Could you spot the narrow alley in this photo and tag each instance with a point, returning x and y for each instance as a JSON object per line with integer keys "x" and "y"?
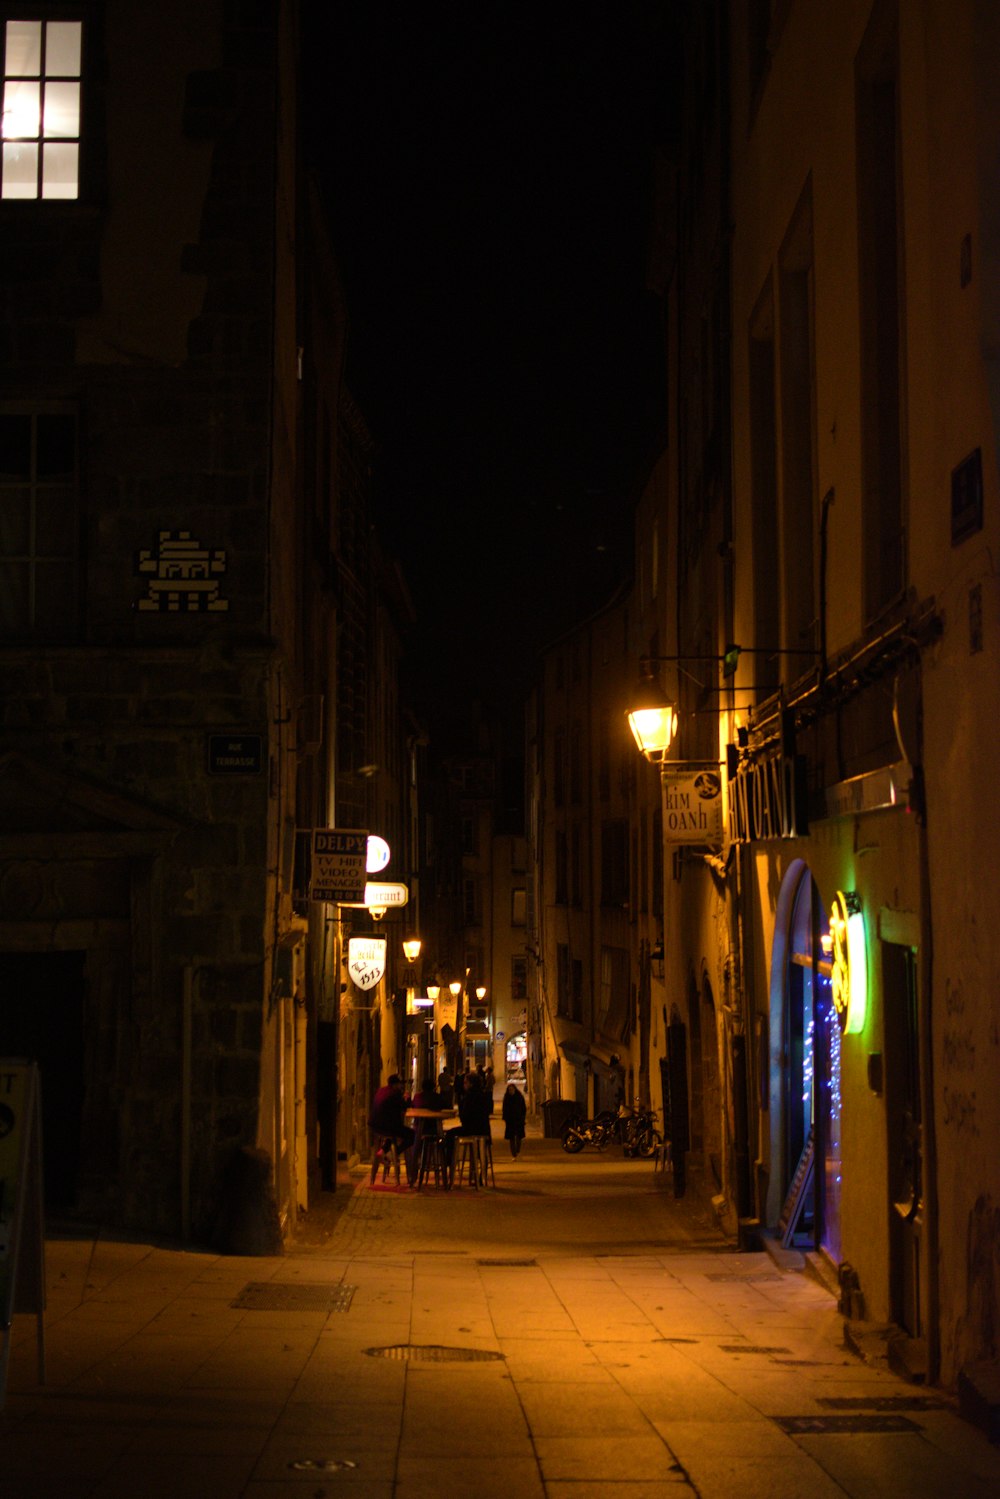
{"x": 573, "y": 1334}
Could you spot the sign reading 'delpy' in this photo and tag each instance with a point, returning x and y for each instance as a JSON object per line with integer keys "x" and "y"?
{"x": 337, "y": 873}
{"x": 366, "y": 960}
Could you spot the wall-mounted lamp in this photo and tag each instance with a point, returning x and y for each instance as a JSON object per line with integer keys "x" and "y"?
{"x": 652, "y": 718}
{"x": 455, "y": 988}
{"x": 433, "y": 991}
{"x": 411, "y": 949}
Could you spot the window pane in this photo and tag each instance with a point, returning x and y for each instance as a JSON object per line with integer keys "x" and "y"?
{"x": 13, "y": 598}
{"x": 20, "y": 110}
{"x": 20, "y": 171}
{"x": 62, "y": 49}
{"x": 60, "y": 171}
{"x": 24, "y": 48}
{"x": 15, "y": 446}
{"x": 15, "y": 525}
{"x": 55, "y": 599}
{"x": 54, "y": 523}
{"x": 55, "y": 445}
{"x": 62, "y": 109}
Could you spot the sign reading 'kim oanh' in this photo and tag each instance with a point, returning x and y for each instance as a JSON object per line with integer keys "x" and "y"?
{"x": 692, "y": 806}
{"x": 767, "y": 798}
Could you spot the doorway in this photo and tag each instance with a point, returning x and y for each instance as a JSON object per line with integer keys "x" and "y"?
{"x": 810, "y": 1073}
{"x": 904, "y": 1125}
{"x": 42, "y": 996}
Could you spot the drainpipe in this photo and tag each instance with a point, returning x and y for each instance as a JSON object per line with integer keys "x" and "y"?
{"x": 187, "y": 1007}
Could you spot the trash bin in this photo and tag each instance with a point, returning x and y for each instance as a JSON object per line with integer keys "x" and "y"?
{"x": 556, "y": 1114}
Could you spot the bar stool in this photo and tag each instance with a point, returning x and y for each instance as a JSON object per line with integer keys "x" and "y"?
{"x": 386, "y": 1147}
{"x": 431, "y": 1158}
{"x": 661, "y": 1157}
{"x": 467, "y": 1151}
{"x": 486, "y": 1160}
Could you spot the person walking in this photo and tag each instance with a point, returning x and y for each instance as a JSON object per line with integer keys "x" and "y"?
{"x": 514, "y": 1110}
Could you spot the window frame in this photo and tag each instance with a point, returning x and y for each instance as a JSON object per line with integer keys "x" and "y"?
{"x": 33, "y": 633}
{"x": 44, "y": 16}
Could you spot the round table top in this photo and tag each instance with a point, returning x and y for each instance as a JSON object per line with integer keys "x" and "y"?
{"x": 431, "y": 1113}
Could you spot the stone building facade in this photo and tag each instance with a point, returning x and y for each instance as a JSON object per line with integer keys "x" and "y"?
{"x": 170, "y": 419}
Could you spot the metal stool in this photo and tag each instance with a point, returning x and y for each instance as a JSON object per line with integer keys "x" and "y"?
{"x": 386, "y": 1148}
{"x": 661, "y": 1157}
{"x": 431, "y": 1158}
{"x": 467, "y": 1150}
{"x": 486, "y": 1160}
{"x": 478, "y": 1151}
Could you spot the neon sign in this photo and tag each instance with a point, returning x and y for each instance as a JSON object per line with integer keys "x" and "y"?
{"x": 847, "y": 946}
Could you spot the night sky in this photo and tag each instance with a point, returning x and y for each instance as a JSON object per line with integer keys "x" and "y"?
{"x": 487, "y": 173}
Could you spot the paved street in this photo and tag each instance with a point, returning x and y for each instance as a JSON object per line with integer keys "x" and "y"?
{"x": 575, "y": 1334}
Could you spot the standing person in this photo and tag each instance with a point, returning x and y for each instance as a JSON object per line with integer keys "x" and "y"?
{"x": 446, "y": 1089}
{"x": 514, "y": 1110}
{"x": 489, "y": 1084}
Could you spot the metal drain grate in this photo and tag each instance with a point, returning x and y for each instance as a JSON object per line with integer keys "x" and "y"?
{"x": 279, "y": 1296}
{"x": 515, "y": 1264}
{"x": 808, "y": 1426}
{"x": 321, "y": 1464}
{"x": 747, "y": 1278}
{"x": 433, "y": 1353}
{"x": 881, "y": 1403}
{"x": 750, "y": 1348}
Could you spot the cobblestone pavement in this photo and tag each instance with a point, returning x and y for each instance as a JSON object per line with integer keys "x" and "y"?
{"x": 574, "y": 1334}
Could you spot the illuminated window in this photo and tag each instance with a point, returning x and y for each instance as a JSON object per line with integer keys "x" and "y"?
{"x": 38, "y": 524}
{"x": 41, "y": 109}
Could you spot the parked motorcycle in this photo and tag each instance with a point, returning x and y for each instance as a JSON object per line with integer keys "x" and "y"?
{"x": 579, "y": 1132}
{"x": 643, "y": 1136}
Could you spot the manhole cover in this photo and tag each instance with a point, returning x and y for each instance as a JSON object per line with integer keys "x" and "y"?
{"x": 433, "y": 1353}
{"x": 276, "y": 1296}
{"x": 807, "y": 1426}
{"x": 750, "y": 1348}
{"x": 514, "y": 1264}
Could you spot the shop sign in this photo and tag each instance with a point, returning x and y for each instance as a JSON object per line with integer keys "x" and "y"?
{"x": 692, "y": 806}
{"x": 378, "y": 854}
{"x": 847, "y": 948}
{"x": 337, "y": 871}
{"x": 366, "y": 960}
{"x": 767, "y": 798}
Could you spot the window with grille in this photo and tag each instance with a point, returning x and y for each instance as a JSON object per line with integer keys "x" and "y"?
{"x": 41, "y": 109}
{"x": 39, "y": 544}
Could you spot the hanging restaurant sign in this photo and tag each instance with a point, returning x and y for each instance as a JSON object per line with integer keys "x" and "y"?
{"x": 847, "y": 947}
{"x": 692, "y": 805}
{"x": 366, "y": 960}
{"x": 767, "y": 796}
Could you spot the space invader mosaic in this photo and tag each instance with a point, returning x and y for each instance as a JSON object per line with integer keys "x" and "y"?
{"x": 183, "y": 577}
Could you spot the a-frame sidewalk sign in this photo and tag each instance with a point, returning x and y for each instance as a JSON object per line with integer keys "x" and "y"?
{"x": 22, "y": 1213}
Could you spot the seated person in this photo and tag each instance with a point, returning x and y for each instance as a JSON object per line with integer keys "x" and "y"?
{"x": 474, "y": 1113}
{"x": 387, "y": 1113}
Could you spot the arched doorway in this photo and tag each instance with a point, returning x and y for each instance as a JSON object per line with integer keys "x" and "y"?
{"x": 805, "y": 1067}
